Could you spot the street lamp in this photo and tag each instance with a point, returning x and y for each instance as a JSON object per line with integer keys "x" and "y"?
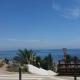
{"x": 20, "y": 73}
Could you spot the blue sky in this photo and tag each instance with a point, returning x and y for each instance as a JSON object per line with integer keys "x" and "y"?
{"x": 39, "y": 24}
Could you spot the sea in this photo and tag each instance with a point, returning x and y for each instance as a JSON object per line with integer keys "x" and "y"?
{"x": 57, "y": 54}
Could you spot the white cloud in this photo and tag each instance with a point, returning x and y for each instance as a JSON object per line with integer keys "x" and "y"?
{"x": 71, "y": 11}
{"x": 10, "y": 43}
{"x": 19, "y": 40}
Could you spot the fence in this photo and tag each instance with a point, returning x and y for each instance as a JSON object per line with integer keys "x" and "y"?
{"x": 69, "y": 68}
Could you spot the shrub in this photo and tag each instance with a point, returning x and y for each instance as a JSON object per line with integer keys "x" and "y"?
{"x": 1, "y": 63}
{"x": 12, "y": 68}
{"x": 15, "y": 68}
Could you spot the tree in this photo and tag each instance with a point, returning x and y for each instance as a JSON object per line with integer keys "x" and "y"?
{"x": 38, "y": 61}
{"x": 25, "y": 57}
{"x": 44, "y": 63}
{"x": 68, "y": 58}
{"x": 50, "y": 62}
{"x": 75, "y": 59}
{"x": 47, "y": 62}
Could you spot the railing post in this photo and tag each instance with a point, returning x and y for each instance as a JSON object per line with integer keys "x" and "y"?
{"x": 20, "y": 75}
{"x": 75, "y": 78}
{"x": 75, "y": 68}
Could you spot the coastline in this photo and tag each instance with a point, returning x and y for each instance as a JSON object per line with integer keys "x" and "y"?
{"x": 57, "y": 54}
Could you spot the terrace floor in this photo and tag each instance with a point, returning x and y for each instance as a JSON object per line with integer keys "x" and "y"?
{"x": 34, "y": 77}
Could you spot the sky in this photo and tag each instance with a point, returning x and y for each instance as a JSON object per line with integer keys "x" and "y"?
{"x": 39, "y": 24}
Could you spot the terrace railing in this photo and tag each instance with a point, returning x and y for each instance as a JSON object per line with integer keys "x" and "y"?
{"x": 72, "y": 68}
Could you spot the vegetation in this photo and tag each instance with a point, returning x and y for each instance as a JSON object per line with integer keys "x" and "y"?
{"x": 38, "y": 61}
{"x": 1, "y": 63}
{"x": 29, "y": 57}
{"x": 47, "y": 62}
{"x": 12, "y": 68}
{"x": 25, "y": 57}
{"x": 70, "y": 58}
{"x": 15, "y": 68}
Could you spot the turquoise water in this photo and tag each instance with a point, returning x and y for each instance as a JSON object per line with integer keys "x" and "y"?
{"x": 57, "y": 54}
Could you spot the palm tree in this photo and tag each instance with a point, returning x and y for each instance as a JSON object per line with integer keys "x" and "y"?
{"x": 25, "y": 57}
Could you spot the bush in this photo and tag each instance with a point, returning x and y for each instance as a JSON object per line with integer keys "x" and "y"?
{"x": 12, "y": 68}
{"x": 1, "y": 63}
{"x": 15, "y": 68}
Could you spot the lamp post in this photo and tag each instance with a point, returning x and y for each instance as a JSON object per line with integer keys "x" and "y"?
{"x": 20, "y": 75}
